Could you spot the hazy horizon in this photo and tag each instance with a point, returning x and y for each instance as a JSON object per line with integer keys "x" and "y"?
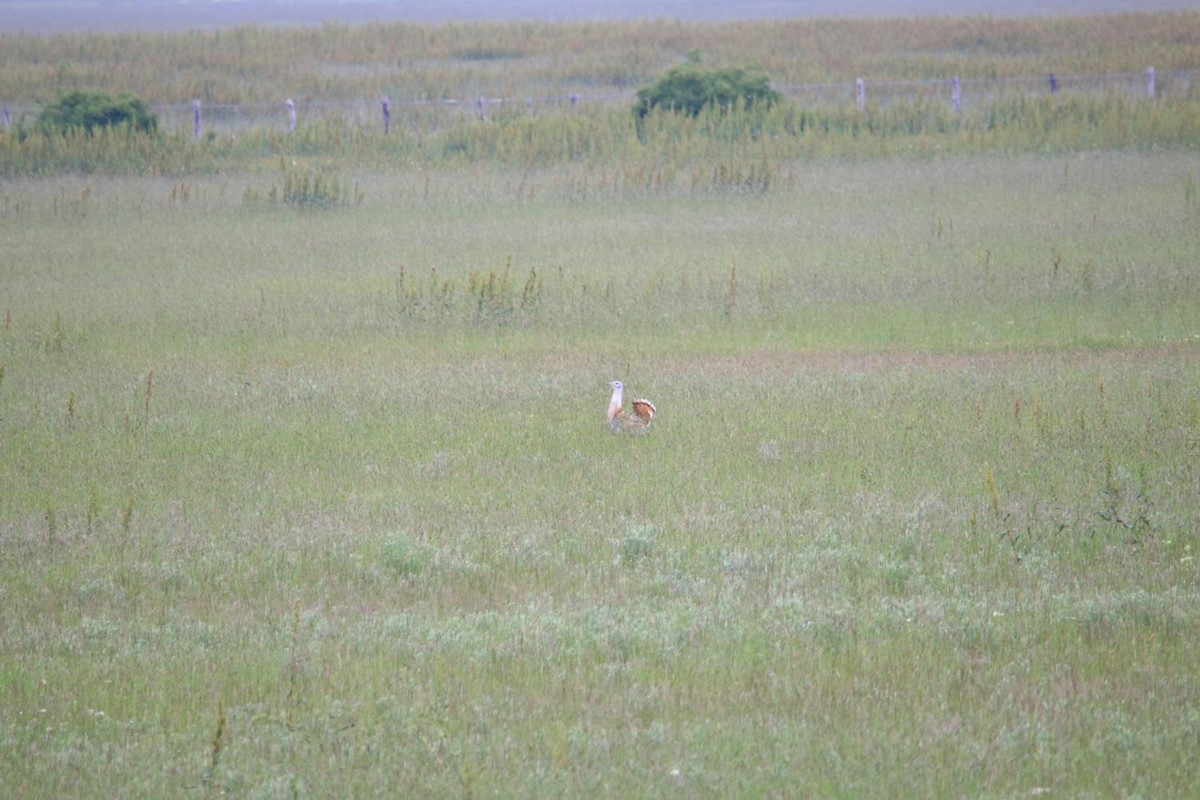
{"x": 153, "y": 15}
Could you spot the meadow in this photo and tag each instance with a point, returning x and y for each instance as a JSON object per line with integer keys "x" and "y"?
{"x": 314, "y": 499}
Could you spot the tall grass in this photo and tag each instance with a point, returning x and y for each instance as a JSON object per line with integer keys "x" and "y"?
{"x": 743, "y": 150}
{"x": 319, "y": 502}
{"x": 334, "y": 68}
{"x": 259, "y": 65}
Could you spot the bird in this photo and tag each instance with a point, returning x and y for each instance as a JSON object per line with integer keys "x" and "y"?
{"x": 618, "y": 420}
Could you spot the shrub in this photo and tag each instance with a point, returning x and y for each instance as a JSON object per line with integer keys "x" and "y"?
{"x": 689, "y": 89}
{"x": 88, "y": 110}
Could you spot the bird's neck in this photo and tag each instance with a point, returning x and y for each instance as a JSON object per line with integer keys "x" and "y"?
{"x": 614, "y": 405}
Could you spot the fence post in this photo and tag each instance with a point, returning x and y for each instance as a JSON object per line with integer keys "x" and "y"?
{"x": 387, "y": 115}
{"x": 196, "y": 120}
{"x": 479, "y": 104}
{"x": 7, "y": 118}
{"x": 955, "y": 97}
{"x": 1053, "y": 81}
{"x": 860, "y": 94}
{"x": 1150, "y": 82}
{"x": 291, "y": 108}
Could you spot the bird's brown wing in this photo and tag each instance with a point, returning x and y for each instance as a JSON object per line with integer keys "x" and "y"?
{"x": 644, "y": 410}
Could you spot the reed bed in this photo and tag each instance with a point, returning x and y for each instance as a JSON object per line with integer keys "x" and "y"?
{"x": 337, "y": 75}
{"x": 257, "y": 65}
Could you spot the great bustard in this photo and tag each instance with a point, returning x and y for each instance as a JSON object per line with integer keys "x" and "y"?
{"x": 618, "y": 420}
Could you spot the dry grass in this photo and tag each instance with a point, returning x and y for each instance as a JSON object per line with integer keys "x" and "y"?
{"x": 337, "y": 75}
{"x": 541, "y": 59}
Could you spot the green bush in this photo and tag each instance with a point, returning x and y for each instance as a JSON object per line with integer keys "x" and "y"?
{"x": 689, "y": 89}
{"x": 89, "y": 110}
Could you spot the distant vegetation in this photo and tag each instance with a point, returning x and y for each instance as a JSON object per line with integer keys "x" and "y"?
{"x": 332, "y": 63}
{"x": 690, "y": 88}
{"x": 434, "y": 77}
{"x": 88, "y": 110}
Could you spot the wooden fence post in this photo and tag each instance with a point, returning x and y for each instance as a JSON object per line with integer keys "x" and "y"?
{"x": 955, "y": 97}
{"x": 196, "y": 119}
{"x": 1053, "y": 81}
{"x": 291, "y": 109}
{"x": 860, "y": 94}
{"x": 387, "y": 115}
{"x": 1150, "y": 82}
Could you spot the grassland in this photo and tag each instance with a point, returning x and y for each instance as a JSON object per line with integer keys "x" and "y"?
{"x": 337, "y": 75}
{"x": 318, "y": 502}
{"x": 467, "y": 60}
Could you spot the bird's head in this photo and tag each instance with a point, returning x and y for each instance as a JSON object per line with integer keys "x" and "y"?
{"x": 615, "y": 385}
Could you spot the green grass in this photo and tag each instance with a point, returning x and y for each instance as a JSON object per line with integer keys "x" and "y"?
{"x": 312, "y": 503}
